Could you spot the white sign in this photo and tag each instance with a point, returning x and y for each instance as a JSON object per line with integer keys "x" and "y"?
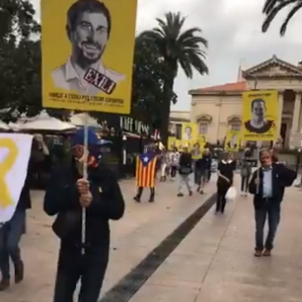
{"x": 15, "y": 150}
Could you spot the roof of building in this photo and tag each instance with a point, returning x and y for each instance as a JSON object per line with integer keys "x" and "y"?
{"x": 237, "y": 86}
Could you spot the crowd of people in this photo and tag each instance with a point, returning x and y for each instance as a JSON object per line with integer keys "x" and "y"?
{"x": 69, "y": 194}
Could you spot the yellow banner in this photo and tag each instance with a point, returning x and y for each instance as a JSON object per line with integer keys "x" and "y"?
{"x": 189, "y": 133}
{"x": 171, "y": 142}
{"x": 232, "y": 141}
{"x": 87, "y": 54}
{"x": 260, "y": 115}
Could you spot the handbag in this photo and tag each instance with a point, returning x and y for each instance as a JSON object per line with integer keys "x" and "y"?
{"x": 231, "y": 193}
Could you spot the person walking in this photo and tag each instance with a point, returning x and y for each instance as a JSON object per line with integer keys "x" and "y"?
{"x": 185, "y": 169}
{"x": 12, "y": 231}
{"x": 174, "y": 160}
{"x": 225, "y": 173}
{"x": 67, "y": 194}
{"x": 267, "y": 185}
{"x": 202, "y": 170}
{"x": 245, "y": 173}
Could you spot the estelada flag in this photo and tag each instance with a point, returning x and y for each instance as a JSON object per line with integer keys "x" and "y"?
{"x": 145, "y": 169}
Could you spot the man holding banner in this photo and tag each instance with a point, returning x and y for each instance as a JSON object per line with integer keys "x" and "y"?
{"x": 102, "y": 36}
{"x": 66, "y": 195}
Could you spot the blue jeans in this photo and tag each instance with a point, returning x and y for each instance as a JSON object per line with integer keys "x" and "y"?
{"x": 272, "y": 211}
{"x": 10, "y": 235}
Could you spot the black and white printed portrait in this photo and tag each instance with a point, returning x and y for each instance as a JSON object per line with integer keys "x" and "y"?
{"x": 258, "y": 124}
{"x": 88, "y": 30}
{"x": 188, "y": 133}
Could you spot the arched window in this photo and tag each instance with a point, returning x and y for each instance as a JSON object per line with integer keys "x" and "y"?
{"x": 234, "y": 122}
{"x": 203, "y": 122}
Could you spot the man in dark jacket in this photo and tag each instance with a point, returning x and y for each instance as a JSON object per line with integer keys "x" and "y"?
{"x": 11, "y": 232}
{"x": 185, "y": 169}
{"x": 67, "y": 195}
{"x": 267, "y": 185}
{"x": 202, "y": 170}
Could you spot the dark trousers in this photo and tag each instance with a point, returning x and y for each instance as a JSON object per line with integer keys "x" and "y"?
{"x": 140, "y": 192}
{"x": 73, "y": 266}
{"x": 173, "y": 171}
{"x": 221, "y": 200}
{"x": 271, "y": 211}
{"x": 10, "y": 235}
{"x": 245, "y": 183}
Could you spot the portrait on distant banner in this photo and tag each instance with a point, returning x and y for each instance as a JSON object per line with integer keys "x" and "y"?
{"x": 91, "y": 65}
{"x": 189, "y": 132}
{"x": 232, "y": 141}
{"x": 260, "y": 115}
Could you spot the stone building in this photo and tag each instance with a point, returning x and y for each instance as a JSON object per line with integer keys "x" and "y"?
{"x": 219, "y": 108}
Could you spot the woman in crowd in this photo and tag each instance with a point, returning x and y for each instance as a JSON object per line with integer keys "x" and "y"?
{"x": 225, "y": 173}
{"x": 245, "y": 176}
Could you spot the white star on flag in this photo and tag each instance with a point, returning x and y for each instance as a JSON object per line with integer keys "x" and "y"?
{"x": 145, "y": 159}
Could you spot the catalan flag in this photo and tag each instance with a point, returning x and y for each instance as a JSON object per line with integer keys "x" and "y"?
{"x": 145, "y": 170}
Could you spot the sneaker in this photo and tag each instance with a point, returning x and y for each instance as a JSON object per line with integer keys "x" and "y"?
{"x": 190, "y": 193}
{"x": 4, "y": 284}
{"x": 137, "y": 199}
{"x": 201, "y": 192}
{"x": 258, "y": 253}
{"x": 180, "y": 195}
{"x": 266, "y": 253}
{"x": 151, "y": 200}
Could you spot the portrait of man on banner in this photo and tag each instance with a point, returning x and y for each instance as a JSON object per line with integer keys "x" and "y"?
{"x": 88, "y": 30}
{"x": 232, "y": 141}
{"x": 189, "y": 132}
{"x": 260, "y": 115}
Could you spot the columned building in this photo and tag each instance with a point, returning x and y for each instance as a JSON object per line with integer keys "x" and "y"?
{"x": 219, "y": 108}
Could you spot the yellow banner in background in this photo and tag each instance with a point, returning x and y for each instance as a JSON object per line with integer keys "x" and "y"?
{"x": 189, "y": 133}
{"x": 260, "y": 115}
{"x": 87, "y": 54}
{"x": 232, "y": 141}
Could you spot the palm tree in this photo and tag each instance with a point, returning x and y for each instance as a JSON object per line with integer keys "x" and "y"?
{"x": 176, "y": 47}
{"x": 273, "y": 7}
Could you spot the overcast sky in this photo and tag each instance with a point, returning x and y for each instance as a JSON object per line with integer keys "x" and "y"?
{"x": 233, "y": 30}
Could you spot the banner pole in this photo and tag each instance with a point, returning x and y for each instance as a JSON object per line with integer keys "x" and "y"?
{"x": 85, "y": 176}
{"x": 259, "y": 144}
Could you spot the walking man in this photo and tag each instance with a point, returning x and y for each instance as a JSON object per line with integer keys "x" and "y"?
{"x": 185, "y": 169}
{"x": 267, "y": 185}
{"x": 66, "y": 196}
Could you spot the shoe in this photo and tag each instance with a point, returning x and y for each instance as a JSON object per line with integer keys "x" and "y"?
{"x": 198, "y": 189}
{"x": 4, "y": 284}
{"x": 151, "y": 200}
{"x": 190, "y": 193}
{"x": 201, "y": 192}
{"x": 137, "y": 199}
{"x": 180, "y": 195}
{"x": 267, "y": 253}
{"x": 19, "y": 272}
{"x": 258, "y": 253}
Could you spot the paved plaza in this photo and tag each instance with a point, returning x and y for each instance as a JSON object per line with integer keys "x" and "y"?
{"x": 214, "y": 263}
{"x": 142, "y": 228}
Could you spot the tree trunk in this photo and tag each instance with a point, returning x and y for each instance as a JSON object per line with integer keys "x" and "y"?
{"x": 168, "y": 92}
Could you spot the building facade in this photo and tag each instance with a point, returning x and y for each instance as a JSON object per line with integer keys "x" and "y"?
{"x": 219, "y": 108}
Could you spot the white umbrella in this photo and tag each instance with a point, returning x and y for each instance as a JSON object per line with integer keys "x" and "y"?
{"x": 48, "y": 124}
{"x": 79, "y": 121}
{"x": 4, "y": 126}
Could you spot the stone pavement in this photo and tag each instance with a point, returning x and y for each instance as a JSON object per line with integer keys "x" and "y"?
{"x": 215, "y": 262}
{"x": 143, "y": 227}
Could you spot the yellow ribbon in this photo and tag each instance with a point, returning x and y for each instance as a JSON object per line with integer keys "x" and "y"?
{"x": 5, "y": 166}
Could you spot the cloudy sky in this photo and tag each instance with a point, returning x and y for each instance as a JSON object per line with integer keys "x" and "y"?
{"x": 233, "y": 30}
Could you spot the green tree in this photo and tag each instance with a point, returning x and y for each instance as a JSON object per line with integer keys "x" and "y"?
{"x": 176, "y": 47}
{"x": 273, "y": 7}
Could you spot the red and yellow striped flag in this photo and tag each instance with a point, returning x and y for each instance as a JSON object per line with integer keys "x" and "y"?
{"x": 145, "y": 170}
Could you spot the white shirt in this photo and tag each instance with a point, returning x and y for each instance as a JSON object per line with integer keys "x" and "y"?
{"x": 66, "y": 77}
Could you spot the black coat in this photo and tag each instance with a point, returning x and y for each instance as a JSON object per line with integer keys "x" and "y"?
{"x": 62, "y": 198}
{"x": 282, "y": 177}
